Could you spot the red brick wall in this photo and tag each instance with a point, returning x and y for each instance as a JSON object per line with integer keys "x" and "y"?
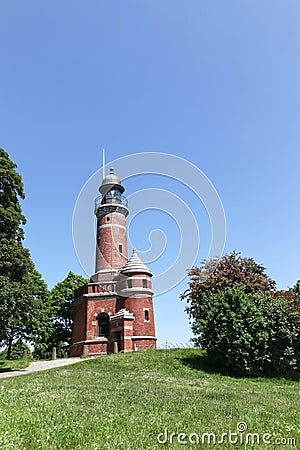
{"x": 79, "y": 318}
{"x": 96, "y": 349}
{"x": 145, "y": 344}
{"x": 137, "y": 306}
{"x": 136, "y": 279}
{"x": 94, "y": 302}
{"x": 109, "y": 236}
{"x": 85, "y": 325}
{"x": 76, "y": 349}
{"x": 94, "y": 307}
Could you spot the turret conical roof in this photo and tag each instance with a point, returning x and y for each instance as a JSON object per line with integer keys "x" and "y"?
{"x": 135, "y": 265}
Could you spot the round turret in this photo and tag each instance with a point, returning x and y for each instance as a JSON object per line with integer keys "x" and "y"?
{"x": 134, "y": 278}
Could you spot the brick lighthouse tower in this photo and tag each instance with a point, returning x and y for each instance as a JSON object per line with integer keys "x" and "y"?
{"x": 114, "y": 312}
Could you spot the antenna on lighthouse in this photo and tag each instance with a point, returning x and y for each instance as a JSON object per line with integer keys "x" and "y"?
{"x": 103, "y": 163}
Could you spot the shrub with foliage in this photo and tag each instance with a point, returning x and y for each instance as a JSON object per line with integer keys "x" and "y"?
{"x": 17, "y": 351}
{"x": 59, "y": 335}
{"x": 240, "y": 319}
{"x": 282, "y": 314}
{"x": 226, "y": 272}
{"x": 232, "y": 329}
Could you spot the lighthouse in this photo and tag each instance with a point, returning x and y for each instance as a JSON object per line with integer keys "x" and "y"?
{"x": 114, "y": 312}
{"x": 111, "y": 210}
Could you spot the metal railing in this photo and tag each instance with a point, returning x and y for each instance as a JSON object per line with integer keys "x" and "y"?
{"x": 170, "y": 345}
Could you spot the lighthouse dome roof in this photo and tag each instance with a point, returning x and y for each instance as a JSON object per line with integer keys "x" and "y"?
{"x": 111, "y": 180}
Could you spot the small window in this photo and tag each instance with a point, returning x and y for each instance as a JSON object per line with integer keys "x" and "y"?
{"x": 146, "y": 315}
{"x": 103, "y": 325}
{"x": 120, "y": 248}
{"x": 144, "y": 283}
{"x": 107, "y": 219}
{"x": 129, "y": 283}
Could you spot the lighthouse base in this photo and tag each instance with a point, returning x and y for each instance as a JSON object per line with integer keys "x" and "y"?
{"x": 103, "y": 325}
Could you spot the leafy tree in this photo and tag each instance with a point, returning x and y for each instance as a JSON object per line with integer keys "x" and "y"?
{"x": 25, "y": 308}
{"x": 250, "y": 334}
{"x": 40, "y": 324}
{"x": 231, "y": 327}
{"x": 295, "y": 290}
{"x": 219, "y": 274}
{"x": 282, "y": 313}
{"x": 28, "y": 312}
{"x": 14, "y": 259}
{"x": 17, "y": 351}
{"x": 21, "y": 302}
{"x": 240, "y": 319}
{"x": 11, "y": 191}
{"x": 62, "y": 296}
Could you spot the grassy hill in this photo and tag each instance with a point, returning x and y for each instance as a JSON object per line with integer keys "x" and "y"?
{"x": 126, "y": 401}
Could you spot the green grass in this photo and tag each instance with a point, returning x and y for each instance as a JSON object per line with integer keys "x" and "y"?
{"x": 9, "y": 365}
{"x": 125, "y": 401}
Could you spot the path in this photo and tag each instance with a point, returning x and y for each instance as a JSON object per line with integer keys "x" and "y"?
{"x": 38, "y": 366}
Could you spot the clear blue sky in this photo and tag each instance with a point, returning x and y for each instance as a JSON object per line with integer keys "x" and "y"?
{"x": 214, "y": 82}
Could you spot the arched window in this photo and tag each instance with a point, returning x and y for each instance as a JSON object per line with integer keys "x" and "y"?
{"x": 103, "y": 325}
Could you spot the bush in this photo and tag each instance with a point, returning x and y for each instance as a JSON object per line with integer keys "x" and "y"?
{"x": 17, "y": 350}
{"x": 231, "y": 327}
{"x": 249, "y": 333}
{"x": 240, "y": 319}
{"x": 44, "y": 350}
{"x": 282, "y": 315}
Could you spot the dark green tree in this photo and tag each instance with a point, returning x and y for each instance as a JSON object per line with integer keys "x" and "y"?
{"x": 282, "y": 313}
{"x": 61, "y": 297}
{"x": 11, "y": 191}
{"x": 250, "y": 334}
{"x": 239, "y": 318}
{"x": 14, "y": 259}
{"x": 295, "y": 290}
{"x": 40, "y": 325}
{"x": 21, "y": 301}
{"x": 17, "y": 351}
{"x": 231, "y": 327}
